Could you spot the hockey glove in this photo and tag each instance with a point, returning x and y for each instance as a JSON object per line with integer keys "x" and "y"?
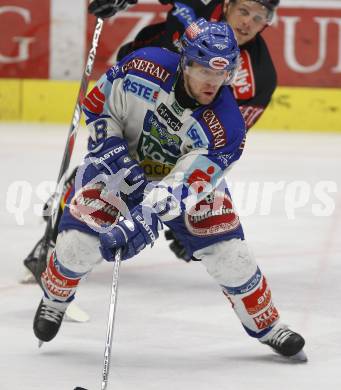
{"x": 113, "y": 165}
{"x": 176, "y": 247}
{"x": 132, "y": 235}
{"x": 106, "y": 8}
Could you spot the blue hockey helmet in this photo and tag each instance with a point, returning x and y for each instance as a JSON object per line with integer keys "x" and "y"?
{"x": 212, "y": 45}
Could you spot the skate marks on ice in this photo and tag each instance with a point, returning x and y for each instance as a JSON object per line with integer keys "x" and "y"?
{"x": 174, "y": 329}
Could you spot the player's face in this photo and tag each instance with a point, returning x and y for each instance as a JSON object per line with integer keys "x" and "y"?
{"x": 202, "y": 83}
{"x": 247, "y": 18}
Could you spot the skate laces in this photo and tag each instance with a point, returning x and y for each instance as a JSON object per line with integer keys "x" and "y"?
{"x": 50, "y": 313}
{"x": 280, "y": 336}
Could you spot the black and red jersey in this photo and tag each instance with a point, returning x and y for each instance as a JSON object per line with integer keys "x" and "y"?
{"x": 256, "y": 79}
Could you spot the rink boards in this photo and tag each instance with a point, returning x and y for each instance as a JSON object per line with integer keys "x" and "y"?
{"x": 51, "y": 101}
{"x": 43, "y": 48}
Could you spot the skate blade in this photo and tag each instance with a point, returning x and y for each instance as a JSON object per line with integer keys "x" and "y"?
{"x": 299, "y": 357}
{"x": 40, "y": 343}
{"x": 75, "y": 314}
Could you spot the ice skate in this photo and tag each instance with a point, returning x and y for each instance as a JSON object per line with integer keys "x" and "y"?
{"x": 48, "y": 319}
{"x": 286, "y": 343}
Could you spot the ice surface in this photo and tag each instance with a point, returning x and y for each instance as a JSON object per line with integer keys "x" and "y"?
{"x": 174, "y": 329}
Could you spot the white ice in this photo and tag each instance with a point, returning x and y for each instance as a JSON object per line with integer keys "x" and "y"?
{"x": 174, "y": 329}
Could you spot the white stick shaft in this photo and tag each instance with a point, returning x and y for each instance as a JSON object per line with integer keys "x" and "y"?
{"x": 111, "y": 320}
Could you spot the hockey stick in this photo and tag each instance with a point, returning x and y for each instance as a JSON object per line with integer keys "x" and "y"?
{"x": 38, "y": 266}
{"x": 111, "y": 322}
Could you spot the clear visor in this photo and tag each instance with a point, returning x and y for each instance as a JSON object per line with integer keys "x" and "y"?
{"x": 211, "y": 76}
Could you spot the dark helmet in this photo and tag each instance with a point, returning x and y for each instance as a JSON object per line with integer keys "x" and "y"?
{"x": 211, "y": 44}
{"x": 271, "y": 5}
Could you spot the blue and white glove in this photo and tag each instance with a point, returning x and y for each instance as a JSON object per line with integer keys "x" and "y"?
{"x": 131, "y": 235}
{"x": 121, "y": 173}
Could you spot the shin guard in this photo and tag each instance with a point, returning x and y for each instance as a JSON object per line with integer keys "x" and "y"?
{"x": 253, "y": 305}
{"x": 59, "y": 283}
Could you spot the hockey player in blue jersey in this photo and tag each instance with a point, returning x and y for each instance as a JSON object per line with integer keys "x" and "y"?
{"x": 164, "y": 131}
{"x": 253, "y": 86}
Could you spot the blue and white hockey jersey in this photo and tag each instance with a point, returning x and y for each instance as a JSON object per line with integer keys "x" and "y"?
{"x": 186, "y": 149}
